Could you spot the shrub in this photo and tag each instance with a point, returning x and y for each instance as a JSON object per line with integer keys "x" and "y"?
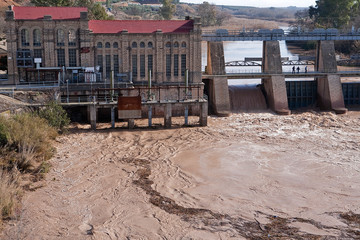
{"x": 9, "y": 194}
{"x": 30, "y": 137}
{"x": 55, "y": 115}
{"x": 3, "y": 132}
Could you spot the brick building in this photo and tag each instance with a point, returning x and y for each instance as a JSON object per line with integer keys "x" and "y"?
{"x": 73, "y": 47}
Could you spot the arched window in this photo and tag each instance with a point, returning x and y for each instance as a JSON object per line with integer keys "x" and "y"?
{"x": 72, "y": 37}
{"x": 134, "y": 45}
{"x": 115, "y": 45}
{"x": 107, "y": 45}
{"x": 37, "y": 37}
{"x": 176, "y": 44}
{"x": 99, "y": 45}
{"x": 183, "y": 44}
{"x": 168, "y": 44}
{"x": 150, "y": 44}
{"x": 25, "y": 37}
{"x": 142, "y": 45}
{"x": 60, "y": 37}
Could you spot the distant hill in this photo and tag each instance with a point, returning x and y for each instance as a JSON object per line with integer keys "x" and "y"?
{"x": 6, "y": 3}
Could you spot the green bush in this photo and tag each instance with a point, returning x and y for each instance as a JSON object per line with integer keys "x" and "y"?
{"x": 55, "y": 115}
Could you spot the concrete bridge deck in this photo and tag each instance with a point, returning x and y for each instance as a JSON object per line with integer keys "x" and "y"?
{"x": 284, "y": 74}
{"x": 240, "y": 35}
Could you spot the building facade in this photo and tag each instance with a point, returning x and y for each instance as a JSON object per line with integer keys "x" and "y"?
{"x": 56, "y": 43}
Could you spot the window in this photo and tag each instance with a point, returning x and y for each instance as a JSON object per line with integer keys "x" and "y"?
{"x": 176, "y": 64}
{"x": 60, "y": 37}
{"x": 23, "y": 58}
{"x": 176, "y": 44}
{"x": 24, "y": 37}
{"x": 37, "y": 37}
{"x": 142, "y": 45}
{"x": 168, "y": 44}
{"x": 100, "y": 63}
{"x": 168, "y": 65}
{"x": 107, "y": 66}
{"x": 72, "y": 37}
{"x": 115, "y": 45}
{"x": 183, "y": 44}
{"x": 37, "y": 53}
{"x": 150, "y": 44}
{"x": 142, "y": 65}
{"x": 183, "y": 64}
{"x": 99, "y": 45}
{"x": 150, "y": 63}
{"x": 134, "y": 65}
{"x": 107, "y": 45}
{"x": 116, "y": 64}
{"x": 61, "y": 57}
{"x": 72, "y": 58}
{"x": 134, "y": 45}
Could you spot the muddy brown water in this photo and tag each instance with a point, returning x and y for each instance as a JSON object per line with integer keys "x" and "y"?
{"x": 245, "y": 98}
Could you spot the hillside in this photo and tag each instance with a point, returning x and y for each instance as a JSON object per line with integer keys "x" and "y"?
{"x": 5, "y": 3}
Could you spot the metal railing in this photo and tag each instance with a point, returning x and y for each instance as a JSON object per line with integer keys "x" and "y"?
{"x": 161, "y": 94}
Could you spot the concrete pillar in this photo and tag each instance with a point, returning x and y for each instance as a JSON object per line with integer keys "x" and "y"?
{"x": 112, "y": 117}
{"x": 219, "y": 96}
{"x": 131, "y": 123}
{"x": 219, "y": 89}
{"x": 167, "y": 115}
{"x": 330, "y": 95}
{"x": 203, "y": 113}
{"x": 215, "y": 58}
{"x": 92, "y": 113}
{"x": 274, "y": 86}
{"x": 150, "y": 116}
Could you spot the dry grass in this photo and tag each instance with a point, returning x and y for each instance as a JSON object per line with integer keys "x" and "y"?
{"x": 24, "y": 148}
{"x": 10, "y": 192}
{"x": 236, "y": 23}
{"x": 29, "y": 136}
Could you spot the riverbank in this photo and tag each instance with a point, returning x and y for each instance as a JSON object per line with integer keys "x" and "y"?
{"x": 251, "y": 175}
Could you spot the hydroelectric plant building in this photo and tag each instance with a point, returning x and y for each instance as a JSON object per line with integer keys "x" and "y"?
{"x": 58, "y": 43}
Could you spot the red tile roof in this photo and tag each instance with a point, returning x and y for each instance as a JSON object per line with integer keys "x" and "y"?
{"x": 141, "y": 26}
{"x": 57, "y": 13}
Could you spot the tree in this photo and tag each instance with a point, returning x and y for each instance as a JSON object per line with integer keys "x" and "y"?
{"x": 207, "y": 12}
{"x": 303, "y": 20}
{"x": 52, "y": 3}
{"x": 96, "y": 11}
{"x": 333, "y": 13}
{"x": 167, "y": 10}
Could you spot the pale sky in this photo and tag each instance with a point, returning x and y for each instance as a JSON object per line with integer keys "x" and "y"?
{"x": 258, "y": 3}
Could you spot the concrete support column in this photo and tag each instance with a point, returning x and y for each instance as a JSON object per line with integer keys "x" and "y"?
{"x": 92, "y": 114}
{"x": 215, "y": 58}
{"x": 167, "y": 115}
{"x": 131, "y": 123}
{"x": 219, "y": 96}
{"x": 218, "y": 87}
{"x": 203, "y": 113}
{"x": 274, "y": 86}
{"x": 330, "y": 95}
{"x": 112, "y": 117}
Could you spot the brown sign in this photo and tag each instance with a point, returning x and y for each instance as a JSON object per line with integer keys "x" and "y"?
{"x": 129, "y": 107}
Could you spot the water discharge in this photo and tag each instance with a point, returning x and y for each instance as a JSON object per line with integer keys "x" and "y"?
{"x": 246, "y": 98}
